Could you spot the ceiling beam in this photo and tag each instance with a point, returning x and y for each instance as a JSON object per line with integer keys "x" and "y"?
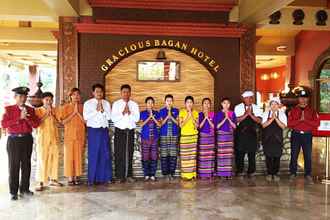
{"x": 254, "y": 11}
{"x": 28, "y": 47}
{"x": 38, "y": 10}
{"x": 63, "y": 7}
{"x": 27, "y": 35}
{"x": 309, "y": 3}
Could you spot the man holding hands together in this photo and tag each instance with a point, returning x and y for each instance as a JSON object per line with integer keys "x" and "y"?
{"x": 125, "y": 115}
{"x": 97, "y": 112}
{"x": 248, "y": 117}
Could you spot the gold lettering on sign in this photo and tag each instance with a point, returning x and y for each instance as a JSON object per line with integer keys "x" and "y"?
{"x": 212, "y": 62}
{"x": 121, "y": 53}
{"x": 109, "y": 62}
{"x": 216, "y": 68}
{"x": 193, "y": 51}
{"x": 132, "y": 47}
{"x": 104, "y": 67}
{"x": 140, "y": 45}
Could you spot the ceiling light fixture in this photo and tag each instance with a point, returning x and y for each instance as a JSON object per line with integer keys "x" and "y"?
{"x": 274, "y": 75}
{"x": 281, "y": 48}
{"x": 264, "y": 77}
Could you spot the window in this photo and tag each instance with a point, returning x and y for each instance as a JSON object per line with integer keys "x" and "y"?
{"x": 324, "y": 87}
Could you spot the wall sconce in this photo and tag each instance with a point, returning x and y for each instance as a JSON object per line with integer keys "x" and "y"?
{"x": 274, "y": 75}
{"x": 298, "y": 16}
{"x": 264, "y": 77}
{"x": 275, "y": 17}
{"x": 321, "y": 17}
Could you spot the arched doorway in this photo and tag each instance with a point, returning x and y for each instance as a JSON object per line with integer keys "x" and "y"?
{"x": 323, "y": 87}
{"x": 194, "y": 80}
{"x": 320, "y": 79}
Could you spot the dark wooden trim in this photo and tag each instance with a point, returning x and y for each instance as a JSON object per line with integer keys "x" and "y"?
{"x": 314, "y": 74}
{"x": 187, "y": 5}
{"x": 138, "y": 14}
{"x": 162, "y": 29}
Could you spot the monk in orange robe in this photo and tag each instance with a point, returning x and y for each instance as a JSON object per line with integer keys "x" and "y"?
{"x": 74, "y": 137}
{"x": 47, "y": 143}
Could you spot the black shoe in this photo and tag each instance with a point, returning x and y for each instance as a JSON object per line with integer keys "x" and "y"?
{"x": 131, "y": 180}
{"x": 27, "y": 193}
{"x": 309, "y": 179}
{"x": 14, "y": 197}
{"x": 292, "y": 177}
{"x": 251, "y": 175}
{"x": 240, "y": 176}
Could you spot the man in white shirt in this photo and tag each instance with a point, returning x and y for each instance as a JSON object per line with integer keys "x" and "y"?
{"x": 125, "y": 115}
{"x": 97, "y": 113}
{"x": 248, "y": 117}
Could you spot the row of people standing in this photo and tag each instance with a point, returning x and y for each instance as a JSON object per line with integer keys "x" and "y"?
{"x": 208, "y": 141}
{"x": 204, "y": 140}
{"x": 190, "y": 133}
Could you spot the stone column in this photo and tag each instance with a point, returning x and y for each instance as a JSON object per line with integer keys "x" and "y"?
{"x": 67, "y": 57}
{"x": 248, "y": 59}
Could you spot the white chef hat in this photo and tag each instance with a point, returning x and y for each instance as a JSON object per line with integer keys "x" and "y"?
{"x": 275, "y": 99}
{"x": 247, "y": 94}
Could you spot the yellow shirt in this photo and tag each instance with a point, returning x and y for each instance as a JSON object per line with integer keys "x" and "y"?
{"x": 47, "y": 131}
{"x": 189, "y": 127}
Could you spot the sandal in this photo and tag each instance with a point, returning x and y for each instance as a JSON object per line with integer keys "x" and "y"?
{"x": 40, "y": 188}
{"x": 71, "y": 183}
{"x": 77, "y": 182}
{"x": 55, "y": 183}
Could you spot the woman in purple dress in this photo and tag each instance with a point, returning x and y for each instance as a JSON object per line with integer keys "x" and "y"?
{"x": 225, "y": 122}
{"x": 206, "y": 153}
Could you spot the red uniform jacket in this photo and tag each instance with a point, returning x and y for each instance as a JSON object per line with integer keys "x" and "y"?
{"x": 311, "y": 119}
{"x": 14, "y": 125}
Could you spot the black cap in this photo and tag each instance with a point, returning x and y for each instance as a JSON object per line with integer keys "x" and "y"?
{"x": 47, "y": 94}
{"x": 303, "y": 93}
{"x": 22, "y": 90}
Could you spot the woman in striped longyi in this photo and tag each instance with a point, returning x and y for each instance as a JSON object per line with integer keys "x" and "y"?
{"x": 206, "y": 148}
{"x": 225, "y": 122}
{"x": 188, "y": 119}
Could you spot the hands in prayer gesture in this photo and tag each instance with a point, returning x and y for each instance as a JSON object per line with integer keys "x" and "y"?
{"x": 99, "y": 107}
{"x": 75, "y": 112}
{"x": 24, "y": 113}
{"x": 126, "y": 110}
{"x": 248, "y": 111}
{"x": 302, "y": 116}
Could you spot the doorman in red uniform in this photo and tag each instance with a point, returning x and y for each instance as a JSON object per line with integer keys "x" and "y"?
{"x": 302, "y": 120}
{"x": 18, "y": 120}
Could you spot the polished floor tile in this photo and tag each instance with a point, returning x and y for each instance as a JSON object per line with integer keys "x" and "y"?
{"x": 219, "y": 199}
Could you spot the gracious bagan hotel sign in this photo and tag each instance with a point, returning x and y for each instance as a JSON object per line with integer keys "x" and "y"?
{"x": 128, "y": 50}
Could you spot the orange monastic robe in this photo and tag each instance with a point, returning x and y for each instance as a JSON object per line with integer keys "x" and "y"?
{"x": 47, "y": 146}
{"x": 74, "y": 140}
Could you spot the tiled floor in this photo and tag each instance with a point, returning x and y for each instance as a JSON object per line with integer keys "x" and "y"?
{"x": 219, "y": 199}
{"x": 236, "y": 199}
